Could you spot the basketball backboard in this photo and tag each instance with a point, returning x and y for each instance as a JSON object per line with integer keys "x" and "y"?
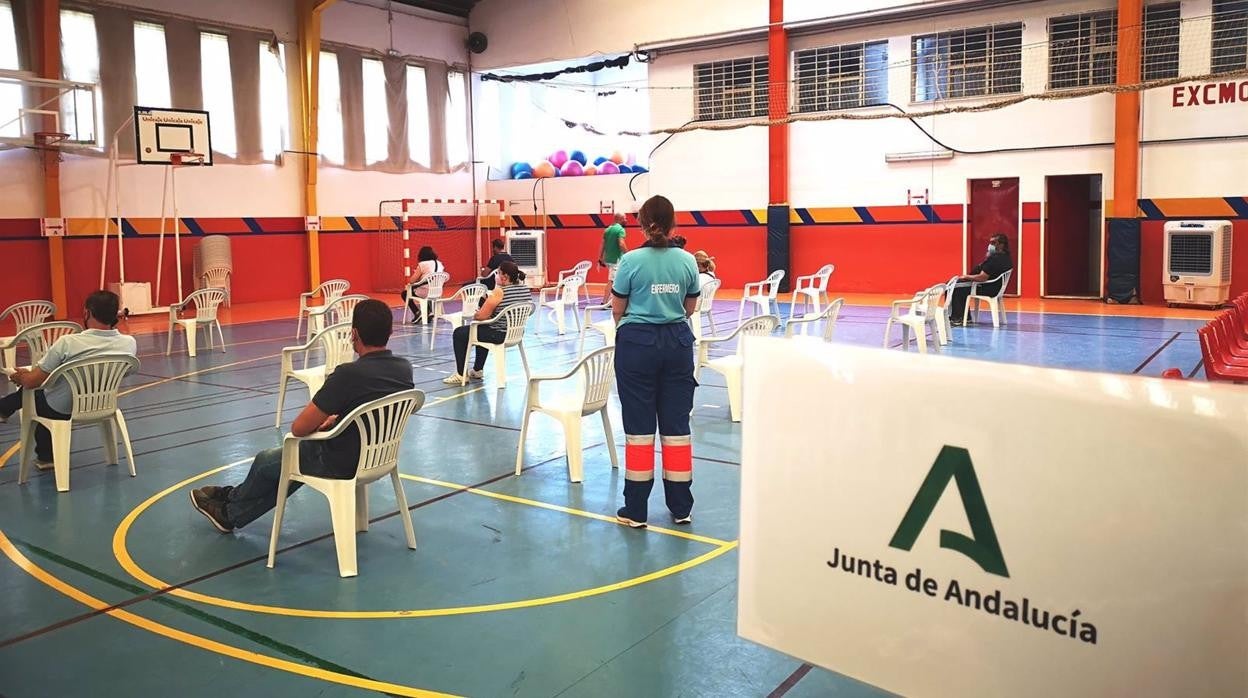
{"x": 160, "y": 133}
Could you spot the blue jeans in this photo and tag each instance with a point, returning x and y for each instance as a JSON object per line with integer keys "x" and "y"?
{"x": 256, "y": 495}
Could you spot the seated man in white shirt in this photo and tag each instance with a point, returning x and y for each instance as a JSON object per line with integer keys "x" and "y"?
{"x": 100, "y": 337}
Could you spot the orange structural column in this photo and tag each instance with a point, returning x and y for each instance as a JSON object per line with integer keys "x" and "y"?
{"x": 1127, "y": 111}
{"x": 778, "y": 86}
{"x": 309, "y": 20}
{"x": 48, "y": 65}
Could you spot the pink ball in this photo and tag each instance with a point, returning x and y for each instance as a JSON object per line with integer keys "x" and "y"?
{"x": 572, "y": 168}
{"x": 608, "y": 168}
{"x": 631, "y": 159}
{"x": 558, "y": 158}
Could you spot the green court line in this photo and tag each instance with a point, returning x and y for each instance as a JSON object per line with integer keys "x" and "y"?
{"x": 233, "y": 628}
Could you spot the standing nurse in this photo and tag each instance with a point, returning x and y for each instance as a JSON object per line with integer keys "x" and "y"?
{"x": 655, "y": 290}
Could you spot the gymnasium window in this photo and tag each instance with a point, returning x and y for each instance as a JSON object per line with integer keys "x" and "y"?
{"x": 151, "y": 66}
{"x": 1161, "y": 41}
{"x": 376, "y": 113}
{"x": 80, "y": 61}
{"x": 274, "y": 104}
{"x": 734, "y": 89}
{"x": 456, "y": 118}
{"x": 10, "y": 94}
{"x": 841, "y": 77}
{"x": 1230, "y": 35}
{"x": 968, "y": 62}
{"x": 1083, "y": 50}
{"x": 329, "y": 119}
{"x": 417, "y": 115}
{"x": 214, "y": 50}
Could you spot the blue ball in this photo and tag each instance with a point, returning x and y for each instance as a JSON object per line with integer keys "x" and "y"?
{"x": 625, "y": 169}
{"x": 599, "y": 160}
{"x": 523, "y": 175}
{"x": 638, "y": 169}
{"x": 518, "y": 167}
{"x": 578, "y": 156}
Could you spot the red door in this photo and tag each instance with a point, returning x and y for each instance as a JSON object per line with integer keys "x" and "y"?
{"x": 993, "y": 209}
{"x": 1072, "y": 243}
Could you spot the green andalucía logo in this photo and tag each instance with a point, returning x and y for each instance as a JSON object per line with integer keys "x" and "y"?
{"x": 954, "y": 463}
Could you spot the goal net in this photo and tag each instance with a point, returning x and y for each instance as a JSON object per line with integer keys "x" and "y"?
{"x": 458, "y": 232}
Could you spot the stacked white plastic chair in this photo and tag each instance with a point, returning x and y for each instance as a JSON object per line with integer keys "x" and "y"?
{"x": 469, "y": 297}
{"x": 514, "y": 318}
{"x": 920, "y": 315}
{"x": 380, "y": 425}
{"x": 206, "y": 302}
{"x": 762, "y": 295}
{"x": 335, "y": 345}
{"x": 433, "y": 291}
{"x": 329, "y": 292}
{"x": 592, "y": 374}
{"x": 827, "y": 316}
{"x": 731, "y": 366}
{"x": 705, "y": 308}
{"x": 214, "y": 264}
{"x": 996, "y": 304}
{"x": 94, "y": 383}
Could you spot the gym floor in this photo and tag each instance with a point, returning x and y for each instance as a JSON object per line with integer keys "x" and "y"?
{"x": 520, "y": 586}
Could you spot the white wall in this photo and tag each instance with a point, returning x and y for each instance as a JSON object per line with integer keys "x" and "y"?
{"x": 254, "y": 190}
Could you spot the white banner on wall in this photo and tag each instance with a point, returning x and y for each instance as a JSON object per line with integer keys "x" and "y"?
{"x": 946, "y": 527}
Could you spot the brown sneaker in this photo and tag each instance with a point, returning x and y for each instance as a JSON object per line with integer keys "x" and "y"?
{"x": 212, "y": 509}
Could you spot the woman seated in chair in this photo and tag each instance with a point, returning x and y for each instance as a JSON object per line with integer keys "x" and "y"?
{"x": 706, "y": 267}
{"x": 995, "y": 264}
{"x": 427, "y": 264}
{"x": 509, "y": 291}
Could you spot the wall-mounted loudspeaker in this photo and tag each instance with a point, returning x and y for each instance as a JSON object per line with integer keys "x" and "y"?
{"x": 477, "y": 42}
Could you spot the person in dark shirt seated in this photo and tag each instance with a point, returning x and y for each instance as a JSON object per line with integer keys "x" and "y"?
{"x": 497, "y": 257}
{"x": 995, "y": 264}
{"x": 374, "y": 375}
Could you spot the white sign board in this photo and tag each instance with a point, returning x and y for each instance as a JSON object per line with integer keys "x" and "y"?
{"x": 946, "y": 527}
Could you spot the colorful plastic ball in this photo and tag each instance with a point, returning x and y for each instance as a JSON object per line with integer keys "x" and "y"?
{"x": 625, "y": 169}
{"x": 518, "y": 167}
{"x": 631, "y": 159}
{"x": 523, "y": 175}
{"x": 558, "y": 157}
{"x": 609, "y": 168}
{"x": 544, "y": 169}
{"x": 617, "y": 157}
{"x": 578, "y": 156}
{"x": 600, "y": 159}
{"x": 638, "y": 169}
{"x": 591, "y": 170}
{"x": 571, "y": 168}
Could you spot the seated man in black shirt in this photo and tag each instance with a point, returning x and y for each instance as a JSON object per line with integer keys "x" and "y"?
{"x": 497, "y": 257}
{"x": 376, "y": 374}
{"x": 995, "y": 264}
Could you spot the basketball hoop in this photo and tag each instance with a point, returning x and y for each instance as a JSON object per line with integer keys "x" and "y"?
{"x": 181, "y": 159}
{"x": 47, "y": 139}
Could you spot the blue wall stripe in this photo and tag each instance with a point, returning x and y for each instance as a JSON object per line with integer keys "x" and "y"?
{"x": 698, "y": 218}
{"x": 355, "y": 225}
{"x": 598, "y": 220}
{"x": 864, "y": 214}
{"x": 805, "y": 216}
{"x": 437, "y": 220}
{"x": 929, "y": 213}
{"x": 190, "y": 223}
{"x": 555, "y": 222}
{"x": 253, "y": 225}
{"x": 1151, "y": 212}
{"x": 1240, "y": 204}
{"x": 749, "y": 216}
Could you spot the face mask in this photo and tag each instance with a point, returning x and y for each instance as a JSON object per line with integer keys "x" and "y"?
{"x": 991, "y": 250}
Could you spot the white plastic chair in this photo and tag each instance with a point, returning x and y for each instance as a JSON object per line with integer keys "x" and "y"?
{"x": 762, "y": 294}
{"x": 333, "y": 312}
{"x": 567, "y": 296}
{"x": 334, "y": 342}
{"x": 218, "y": 277}
{"x": 579, "y": 270}
{"x": 946, "y": 310}
{"x": 811, "y": 291}
{"x": 730, "y": 366}
{"x": 469, "y": 298}
{"x": 23, "y": 315}
{"x": 515, "y": 317}
{"x": 827, "y": 316}
{"x": 206, "y": 302}
{"x": 705, "y": 307}
{"x": 380, "y": 425}
{"x": 995, "y": 303}
{"x": 329, "y": 292}
{"x": 94, "y": 383}
{"x": 37, "y": 339}
{"x": 922, "y": 315}
{"x": 593, "y": 374}
{"x": 606, "y": 326}
{"x": 433, "y": 291}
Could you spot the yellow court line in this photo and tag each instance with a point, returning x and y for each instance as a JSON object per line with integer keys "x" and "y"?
{"x": 29, "y": 567}
{"x": 565, "y": 510}
{"x": 122, "y": 553}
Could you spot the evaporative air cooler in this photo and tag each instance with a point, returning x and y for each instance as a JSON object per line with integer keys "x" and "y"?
{"x": 1198, "y": 262}
{"x": 528, "y": 248}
